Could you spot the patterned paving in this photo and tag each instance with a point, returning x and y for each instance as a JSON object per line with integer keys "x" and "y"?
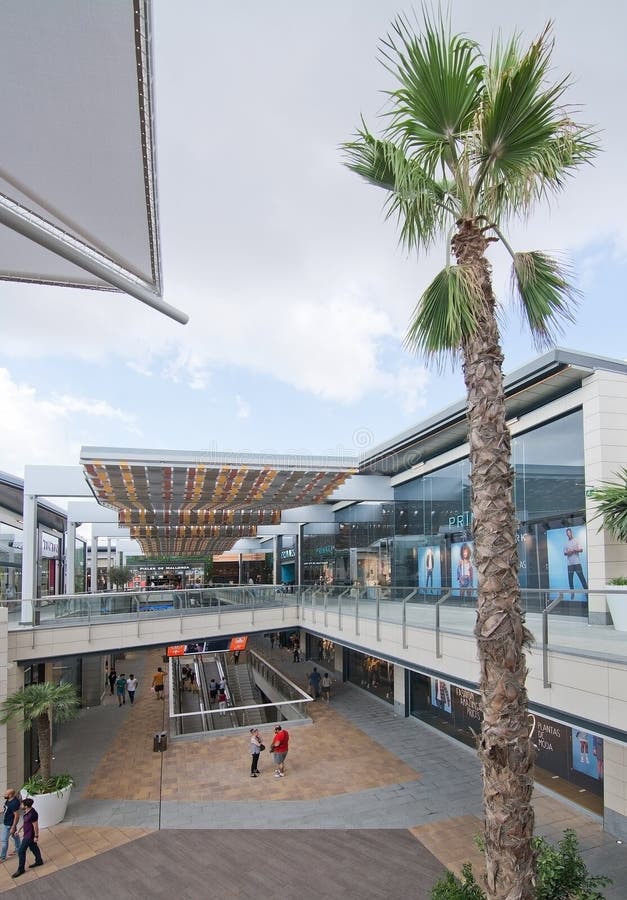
{"x": 333, "y": 760}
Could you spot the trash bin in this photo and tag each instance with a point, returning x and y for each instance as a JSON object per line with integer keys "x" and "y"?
{"x": 160, "y": 742}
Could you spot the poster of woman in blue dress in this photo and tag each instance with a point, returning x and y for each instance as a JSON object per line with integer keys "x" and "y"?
{"x": 567, "y": 559}
{"x": 463, "y": 572}
{"x": 429, "y": 573}
{"x": 587, "y": 753}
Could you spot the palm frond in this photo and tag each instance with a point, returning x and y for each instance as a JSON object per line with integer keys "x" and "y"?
{"x": 59, "y": 701}
{"x": 446, "y": 313}
{"x": 611, "y": 500}
{"x": 421, "y": 204}
{"x": 546, "y": 294}
{"x": 440, "y": 76}
{"x": 529, "y": 142}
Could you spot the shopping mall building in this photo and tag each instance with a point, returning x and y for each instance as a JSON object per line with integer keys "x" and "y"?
{"x": 379, "y": 551}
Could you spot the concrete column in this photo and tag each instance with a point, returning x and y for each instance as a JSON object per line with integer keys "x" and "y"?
{"x": 70, "y": 558}
{"x": 94, "y": 565}
{"x": 605, "y": 453}
{"x": 300, "y": 567}
{"x": 240, "y": 577}
{"x": 30, "y": 551}
{"x": 276, "y": 559}
{"x": 400, "y": 693}
{"x": 4, "y": 659}
{"x": 614, "y": 789}
{"x": 109, "y": 585}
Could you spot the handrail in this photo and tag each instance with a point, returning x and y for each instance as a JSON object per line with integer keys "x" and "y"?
{"x": 439, "y": 603}
{"x": 545, "y": 639}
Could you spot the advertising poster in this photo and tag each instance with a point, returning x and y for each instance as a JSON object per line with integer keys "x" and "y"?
{"x": 568, "y": 560}
{"x": 587, "y": 754}
{"x": 551, "y": 741}
{"x": 441, "y": 695}
{"x": 466, "y": 709}
{"x": 463, "y": 572}
{"x": 429, "y": 572}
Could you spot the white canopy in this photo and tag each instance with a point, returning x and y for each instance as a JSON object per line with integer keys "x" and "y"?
{"x": 77, "y": 170}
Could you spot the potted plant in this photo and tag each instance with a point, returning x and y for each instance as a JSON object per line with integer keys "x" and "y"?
{"x": 38, "y": 705}
{"x": 611, "y": 499}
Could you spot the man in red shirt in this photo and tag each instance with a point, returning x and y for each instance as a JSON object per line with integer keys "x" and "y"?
{"x": 280, "y": 746}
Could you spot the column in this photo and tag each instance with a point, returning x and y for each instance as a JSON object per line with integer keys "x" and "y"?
{"x": 94, "y": 565}
{"x": 30, "y": 551}
{"x": 70, "y": 558}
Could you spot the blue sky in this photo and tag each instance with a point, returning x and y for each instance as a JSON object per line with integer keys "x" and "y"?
{"x": 297, "y": 291}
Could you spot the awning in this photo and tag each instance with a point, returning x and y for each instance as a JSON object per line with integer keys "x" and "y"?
{"x": 195, "y": 503}
{"x": 77, "y": 173}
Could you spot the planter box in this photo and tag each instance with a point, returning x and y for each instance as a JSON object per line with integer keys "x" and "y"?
{"x": 51, "y": 808}
{"x": 617, "y": 605}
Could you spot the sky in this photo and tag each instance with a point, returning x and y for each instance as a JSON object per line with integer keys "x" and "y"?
{"x": 298, "y": 292}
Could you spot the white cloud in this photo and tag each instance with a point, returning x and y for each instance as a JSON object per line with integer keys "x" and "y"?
{"x": 41, "y": 430}
{"x": 281, "y": 257}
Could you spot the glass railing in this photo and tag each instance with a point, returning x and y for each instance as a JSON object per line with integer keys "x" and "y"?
{"x": 289, "y": 703}
{"x": 558, "y": 618}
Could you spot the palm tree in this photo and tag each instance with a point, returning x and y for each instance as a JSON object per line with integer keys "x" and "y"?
{"x": 470, "y": 141}
{"x": 38, "y": 705}
{"x": 611, "y": 499}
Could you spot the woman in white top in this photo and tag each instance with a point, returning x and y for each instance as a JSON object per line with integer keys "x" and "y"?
{"x": 255, "y": 750}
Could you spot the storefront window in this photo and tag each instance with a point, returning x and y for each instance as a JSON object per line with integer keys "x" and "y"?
{"x": 569, "y": 760}
{"x": 10, "y": 562}
{"x": 371, "y": 673}
{"x": 433, "y": 546}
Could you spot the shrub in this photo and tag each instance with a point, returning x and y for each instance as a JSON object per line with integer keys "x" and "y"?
{"x": 561, "y": 875}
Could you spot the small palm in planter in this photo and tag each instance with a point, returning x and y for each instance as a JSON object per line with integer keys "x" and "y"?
{"x": 611, "y": 499}
{"x": 38, "y": 705}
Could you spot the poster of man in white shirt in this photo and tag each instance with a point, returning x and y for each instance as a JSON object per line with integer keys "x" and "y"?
{"x": 566, "y": 549}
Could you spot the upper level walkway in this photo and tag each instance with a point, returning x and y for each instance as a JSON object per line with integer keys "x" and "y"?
{"x": 574, "y": 667}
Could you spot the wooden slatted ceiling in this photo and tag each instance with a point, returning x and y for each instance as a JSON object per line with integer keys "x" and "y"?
{"x": 202, "y": 505}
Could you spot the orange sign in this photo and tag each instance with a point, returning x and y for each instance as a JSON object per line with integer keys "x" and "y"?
{"x": 176, "y": 650}
{"x": 238, "y": 643}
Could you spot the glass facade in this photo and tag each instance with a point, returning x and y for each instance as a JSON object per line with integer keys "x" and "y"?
{"x": 568, "y": 759}
{"x": 10, "y": 562}
{"x": 433, "y": 521}
{"x": 424, "y": 538}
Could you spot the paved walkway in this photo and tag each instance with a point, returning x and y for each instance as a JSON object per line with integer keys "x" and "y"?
{"x": 357, "y": 767}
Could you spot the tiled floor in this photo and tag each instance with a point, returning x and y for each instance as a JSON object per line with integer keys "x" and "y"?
{"x": 356, "y": 764}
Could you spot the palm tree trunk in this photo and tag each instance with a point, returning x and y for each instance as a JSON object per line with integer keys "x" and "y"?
{"x": 505, "y": 747}
{"x": 43, "y": 736}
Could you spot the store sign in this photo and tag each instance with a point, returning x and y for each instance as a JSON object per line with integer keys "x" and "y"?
{"x": 48, "y": 548}
{"x": 290, "y": 553}
{"x": 238, "y": 643}
{"x": 176, "y": 650}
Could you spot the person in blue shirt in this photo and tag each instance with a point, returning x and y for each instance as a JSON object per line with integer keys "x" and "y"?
{"x": 10, "y": 822}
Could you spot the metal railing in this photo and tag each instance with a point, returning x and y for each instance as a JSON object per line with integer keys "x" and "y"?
{"x": 290, "y": 708}
{"x": 556, "y": 617}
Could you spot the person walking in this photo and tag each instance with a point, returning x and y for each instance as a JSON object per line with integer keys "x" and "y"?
{"x": 30, "y": 836}
{"x": 131, "y": 687}
{"x": 112, "y": 679}
{"x": 157, "y": 683}
{"x": 279, "y": 747}
{"x": 314, "y": 683}
{"x": 10, "y": 823}
{"x": 325, "y": 684}
{"x": 120, "y": 688}
{"x": 255, "y": 749}
{"x": 213, "y": 691}
{"x": 222, "y": 700}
